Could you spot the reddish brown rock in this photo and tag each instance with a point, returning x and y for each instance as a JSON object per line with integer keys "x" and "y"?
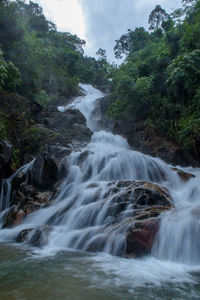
{"x": 19, "y": 217}
{"x": 183, "y": 175}
{"x": 140, "y": 238}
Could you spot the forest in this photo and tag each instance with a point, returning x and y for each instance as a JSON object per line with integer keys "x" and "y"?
{"x": 38, "y": 64}
{"x": 159, "y": 81}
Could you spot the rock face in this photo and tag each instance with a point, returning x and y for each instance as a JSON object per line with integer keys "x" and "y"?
{"x": 152, "y": 143}
{"x": 69, "y": 128}
{"x": 147, "y": 201}
{"x": 36, "y": 189}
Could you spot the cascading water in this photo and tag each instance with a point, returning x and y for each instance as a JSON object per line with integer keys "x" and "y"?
{"x": 179, "y": 235}
{"x": 81, "y": 216}
{"x": 6, "y": 188}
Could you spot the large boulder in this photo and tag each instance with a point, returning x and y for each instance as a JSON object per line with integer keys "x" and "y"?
{"x": 134, "y": 210}
{"x": 141, "y": 236}
{"x": 26, "y": 201}
{"x": 44, "y": 172}
{"x": 69, "y": 128}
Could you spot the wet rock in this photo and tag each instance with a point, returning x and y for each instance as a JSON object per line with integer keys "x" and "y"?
{"x": 19, "y": 179}
{"x": 19, "y": 217}
{"x": 141, "y": 236}
{"x": 83, "y": 156}
{"x": 26, "y": 200}
{"x": 183, "y": 175}
{"x": 44, "y": 172}
{"x": 150, "y": 194}
{"x": 37, "y": 237}
{"x": 137, "y": 205}
{"x": 68, "y": 127}
{"x": 141, "y": 193}
{"x": 10, "y": 216}
{"x": 49, "y": 172}
{"x": 59, "y": 152}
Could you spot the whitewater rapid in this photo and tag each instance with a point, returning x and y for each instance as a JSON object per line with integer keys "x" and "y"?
{"x": 79, "y": 221}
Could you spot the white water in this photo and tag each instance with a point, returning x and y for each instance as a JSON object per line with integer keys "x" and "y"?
{"x": 86, "y": 104}
{"x": 80, "y": 216}
{"x": 6, "y": 188}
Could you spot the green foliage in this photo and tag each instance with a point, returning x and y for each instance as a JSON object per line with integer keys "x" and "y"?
{"x": 184, "y": 76}
{"x": 10, "y": 77}
{"x": 15, "y": 159}
{"x": 157, "y": 17}
{"x": 34, "y": 138}
{"x": 188, "y": 133}
{"x": 42, "y": 98}
{"x": 159, "y": 81}
{"x": 38, "y": 61}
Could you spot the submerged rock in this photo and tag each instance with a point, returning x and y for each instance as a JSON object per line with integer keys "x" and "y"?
{"x": 183, "y": 175}
{"x": 36, "y": 237}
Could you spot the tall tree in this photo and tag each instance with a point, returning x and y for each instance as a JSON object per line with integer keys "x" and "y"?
{"x": 157, "y": 16}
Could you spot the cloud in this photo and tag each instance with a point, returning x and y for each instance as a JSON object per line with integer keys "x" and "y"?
{"x": 66, "y": 14}
{"x": 101, "y": 22}
{"x": 107, "y": 20}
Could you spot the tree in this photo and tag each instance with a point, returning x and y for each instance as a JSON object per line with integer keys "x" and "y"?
{"x": 101, "y": 54}
{"x": 10, "y": 77}
{"x": 157, "y": 16}
{"x": 132, "y": 41}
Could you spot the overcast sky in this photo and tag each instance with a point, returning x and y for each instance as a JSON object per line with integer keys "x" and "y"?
{"x": 101, "y": 22}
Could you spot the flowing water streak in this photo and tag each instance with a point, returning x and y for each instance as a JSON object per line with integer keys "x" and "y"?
{"x": 178, "y": 238}
{"x": 85, "y": 104}
{"x": 6, "y": 189}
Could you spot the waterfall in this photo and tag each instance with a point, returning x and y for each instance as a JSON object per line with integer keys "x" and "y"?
{"x": 6, "y": 189}
{"x": 81, "y": 217}
{"x": 178, "y": 239}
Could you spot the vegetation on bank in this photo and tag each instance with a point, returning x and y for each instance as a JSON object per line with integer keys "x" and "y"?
{"x": 159, "y": 81}
{"x": 38, "y": 64}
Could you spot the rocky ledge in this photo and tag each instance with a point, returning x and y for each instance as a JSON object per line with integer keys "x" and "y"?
{"x": 134, "y": 209}
{"x": 151, "y": 142}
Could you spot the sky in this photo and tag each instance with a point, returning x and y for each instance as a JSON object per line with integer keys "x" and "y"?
{"x": 101, "y": 22}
